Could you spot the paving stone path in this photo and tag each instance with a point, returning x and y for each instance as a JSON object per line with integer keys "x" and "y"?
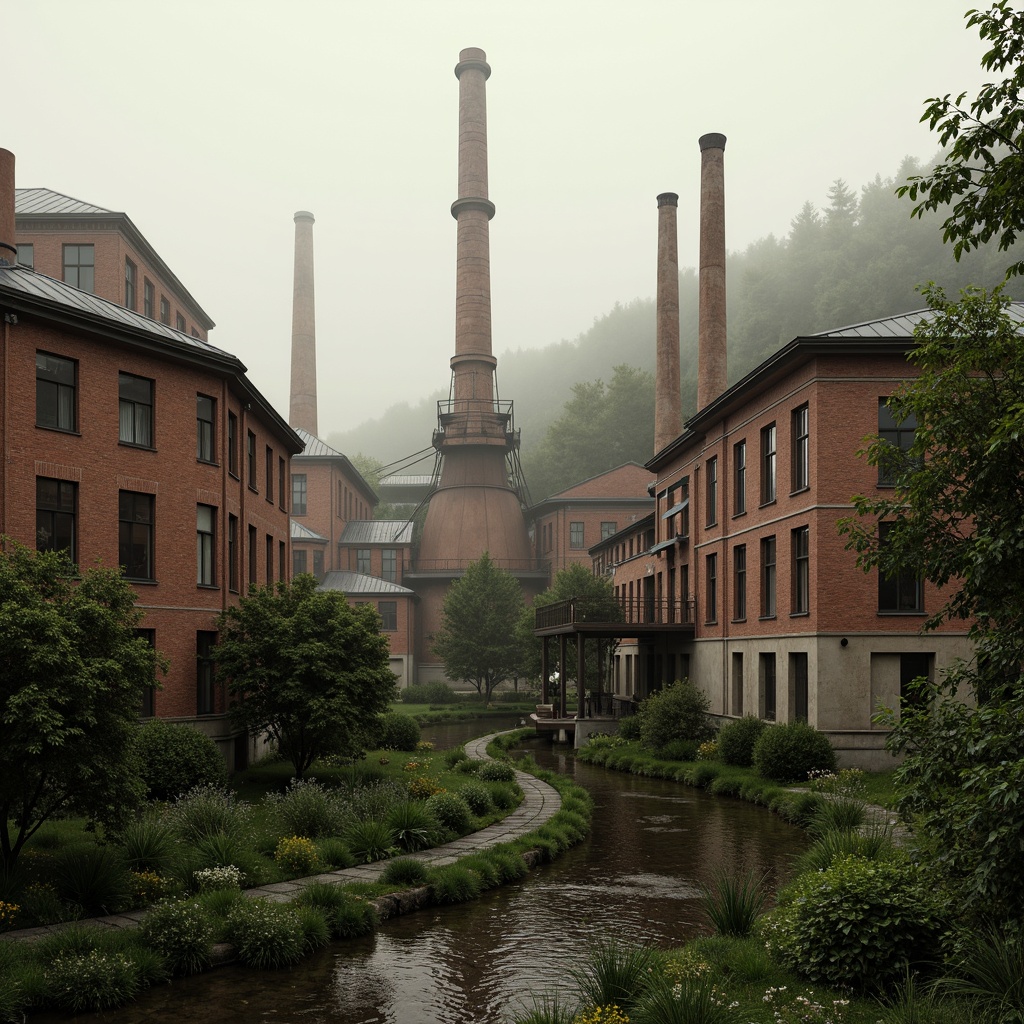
{"x": 540, "y": 803}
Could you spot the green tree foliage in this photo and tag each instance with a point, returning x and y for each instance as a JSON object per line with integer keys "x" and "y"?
{"x": 72, "y": 676}
{"x": 305, "y": 668}
{"x": 980, "y": 177}
{"x": 477, "y": 641}
{"x": 679, "y": 712}
{"x": 175, "y": 758}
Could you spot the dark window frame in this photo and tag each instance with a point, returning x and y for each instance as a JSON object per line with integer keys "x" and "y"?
{"x": 388, "y": 612}
{"x": 136, "y": 416}
{"x": 739, "y": 583}
{"x": 299, "y": 494}
{"x": 577, "y": 532}
{"x": 57, "y": 515}
{"x": 206, "y": 546}
{"x": 233, "y": 553}
{"x": 711, "y": 587}
{"x": 206, "y": 437}
{"x": 51, "y": 389}
{"x": 137, "y": 530}
{"x": 233, "y": 444}
{"x": 250, "y": 458}
{"x": 769, "y": 465}
{"x": 898, "y": 595}
{"x": 801, "y": 571}
{"x": 739, "y": 462}
{"x": 131, "y": 284}
{"x": 75, "y": 272}
{"x": 148, "y": 297}
{"x": 801, "y": 442}
{"x": 711, "y": 489}
{"x": 769, "y": 577}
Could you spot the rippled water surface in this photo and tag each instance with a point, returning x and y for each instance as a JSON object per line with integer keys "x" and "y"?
{"x": 634, "y": 878}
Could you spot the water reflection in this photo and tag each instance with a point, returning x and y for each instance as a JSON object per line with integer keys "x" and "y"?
{"x": 635, "y": 878}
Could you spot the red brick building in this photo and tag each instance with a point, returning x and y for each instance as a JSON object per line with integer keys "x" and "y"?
{"x": 127, "y": 442}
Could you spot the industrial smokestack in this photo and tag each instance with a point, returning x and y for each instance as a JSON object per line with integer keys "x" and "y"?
{"x": 302, "y": 410}
{"x": 8, "y": 247}
{"x": 711, "y": 333}
{"x": 668, "y": 412}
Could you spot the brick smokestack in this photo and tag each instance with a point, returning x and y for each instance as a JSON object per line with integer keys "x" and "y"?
{"x": 668, "y": 412}
{"x": 711, "y": 334}
{"x": 302, "y": 410}
{"x": 8, "y": 248}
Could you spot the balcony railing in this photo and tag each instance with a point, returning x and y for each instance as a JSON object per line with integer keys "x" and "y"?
{"x": 460, "y": 565}
{"x": 635, "y": 612}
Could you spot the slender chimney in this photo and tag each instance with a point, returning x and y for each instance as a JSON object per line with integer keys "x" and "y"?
{"x": 668, "y": 412}
{"x": 711, "y": 335}
{"x": 302, "y": 411}
{"x": 8, "y": 247}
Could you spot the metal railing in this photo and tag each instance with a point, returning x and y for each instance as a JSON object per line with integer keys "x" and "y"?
{"x": 459, "y": 565}
{"x": 635, "y": 612}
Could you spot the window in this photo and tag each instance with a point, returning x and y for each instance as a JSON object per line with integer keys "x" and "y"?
{"x": 711, "y": 590}
{"x": 739, "y": 465}
{"x": 608, "y": 529}
{"x": 204, "y": 428}
{"x": 900, "y": 593}
{"x": 135, "y": 404}
{"x": 768, "y": 578}
{"x": 768, "y": 465}
{"x": 298, "y": 562}
{"x": 251, "y": 459}
{"x": 205, "y": 516}
{"x": 389, "y": 565}
{"x": 739, "y": 582}
{"x": 252, "y": 556}
{"x": 899, "y": 435}
{"x": 56, "y": 511}
{"x": 148, "y": 705}
{"x": 135, "y": 534}
{"x": 131, "y": 274}
{"x": 80, "y": 267}
{"x": 280, "y": 483}
{"x": 179, "y": 322}
{"x": 268, "y": 466}
{"x": 233, "y": 553}
{"x": 148, "y": 297}
{"x": 712, "y": 491}
{"x": 232, "y": 444}
{"x": 766, "y": 679}
{"x": 298, "y": 494}
{"x": 165, "y": 311}
{"x": 205, "y": 643}
{"x": 26, "y": 254}
{"x": 388, "y": 615}
{"x": 363, "y": 560}
{"x": 575, "y": 535}
{"x": 56, "y": 391}
{"x": 801, "y": 570}
{"x": 801, "y": 479}
{"x": 798, "y": 685}
{"x": 280, "y": 560}
{"x": 270, "y": 560}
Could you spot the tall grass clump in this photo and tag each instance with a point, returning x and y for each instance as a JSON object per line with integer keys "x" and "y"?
{"x": 92, "y": 878}
{"x": 146, "y": 844}
{"x": 691, "y": 1001}
{"x": 733, "y": 903}
{"x": 615, "y": 974}
{"x": 412, "y": 825}
{"x": 308, "y": 808}
{"x": 206, "y": 811}
{"x": 267, "y": 935}
{"x": 370, "y": 840}
{"x": 348, "y": 916}
{"x": 404, "y": 871}
{"x": 181, "y": 932}
{"x": 454, "y": 884}
{"x": 991, "y": 975}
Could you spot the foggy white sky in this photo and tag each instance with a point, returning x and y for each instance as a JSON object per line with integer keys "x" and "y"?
{"x": 210, "y": 122}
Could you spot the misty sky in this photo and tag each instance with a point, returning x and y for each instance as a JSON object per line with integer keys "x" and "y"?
{"x": 210, "y": 122}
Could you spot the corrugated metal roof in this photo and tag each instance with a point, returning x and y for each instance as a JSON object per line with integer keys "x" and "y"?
{"x": 45, "y": 200}
{"x": 900, "y": 326}
{"x": 300, "y": 532}
{"x": 377, "y": 531}
{"x": 317, "y": 448}
{"x": 31, "y": 284}
{"x": 407, "y": 481}
{"x": 357, "y": 583}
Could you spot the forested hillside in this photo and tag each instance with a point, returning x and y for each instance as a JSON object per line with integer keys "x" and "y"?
{"x": 859, "y": 258}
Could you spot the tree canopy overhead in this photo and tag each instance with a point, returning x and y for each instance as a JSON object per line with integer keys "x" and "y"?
{"x": 73, "y": 670}
{"x": 305, "y": 668}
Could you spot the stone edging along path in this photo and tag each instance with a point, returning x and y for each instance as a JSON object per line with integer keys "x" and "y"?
{"x": 540, "y": 803}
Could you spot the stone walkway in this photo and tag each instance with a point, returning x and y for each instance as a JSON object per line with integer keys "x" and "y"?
{"x": 540, "y": 803}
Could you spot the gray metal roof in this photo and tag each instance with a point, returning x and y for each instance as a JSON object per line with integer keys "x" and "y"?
{"x": 354, "y": 584}
{"x": 377, "y": 531}
{"x": 29, "y": 283}
{"x": 317, "y": 448}
{"x": 304, "y": 533}
{"x": 900, "y": 326}
{"x": 419, "y": 480}
{"x": 45, "y": 200}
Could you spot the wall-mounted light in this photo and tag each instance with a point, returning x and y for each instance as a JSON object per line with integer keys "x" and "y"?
{"x": 844, "y": 642}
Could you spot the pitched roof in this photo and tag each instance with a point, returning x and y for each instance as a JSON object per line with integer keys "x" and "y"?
{"x": 900, "y": 326}
{"x": 356, "y": 583}
{"x": 315, "y": 448}
{"x": 304, "y": 533}
{"x": 45, "y": 200}
{"x": 377, "y": 531}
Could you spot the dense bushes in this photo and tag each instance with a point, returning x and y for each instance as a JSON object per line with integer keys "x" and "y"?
{"x": 429, "y": 693}
{"x": 679, "y": 712}
{"x": 398, "y": 732}
{"x": 790, "y": 752}
{"x": 736, "y": 740}
{"x": 176, "y": 758}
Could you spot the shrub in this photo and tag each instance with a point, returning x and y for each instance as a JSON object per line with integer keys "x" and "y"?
{"x": 478, "y": 796}
{"x": 93, "y": 980}
{"x": 451, "y": 812}
{"x": 692, "y": 1001}
{"x": 505, "y": 795}
{"x": 370, "y": 840}
{"x": 736, "y": 740}
{"x": 347, "y": 915}
{"x": 208, "y": 811}
{"x": 180, "y": 932}
{"x": 615, "y": 974}
{"x": 412, "y": 825}
{"x": 146, "y": 844}
{"x": 308, "y": 808}
{"x": 225, "y": 876}
{"x": 702, "y": 774}
{"x": 454, "y": 756}
{"x": 316, "y": 932}
{"x": 297, "y": 855}
{"x": 496, "y": 771}
{"x": 92, "y": 878}
{"x": 404, "y": 871}
{"x": 629, "y": 727}
{"x": 266, "y": 935}
{"x": 837, "y": 816}
{"x": 876, "y": 844}
{"x": 376, "y": 799}
{"x": 681, "y": 750}
{"x": 335, "y": 853}
{"x": 429, "y": 693}
{"x": 177, "y": 758}
{"x": 469, "y": 766}
{"x": 421, "y": 788}
{"x": 679, "y": 712}
{"x": 707, "y": 751}
{"x": 857, "y": 923}
{"x": 732, "y": 903}
{"x": 454, "y": 884}
{"x": 789, "y": 752}
{"x": 398, "y": 732}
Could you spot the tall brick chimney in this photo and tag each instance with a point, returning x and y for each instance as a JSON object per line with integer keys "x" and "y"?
{"x": 711, "y": 333}
{"x": 302, "y": 409}
{"x": 8, "y": 247}
{"x": 668, "y": 411}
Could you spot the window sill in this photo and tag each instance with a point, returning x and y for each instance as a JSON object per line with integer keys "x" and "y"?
{"x": 765, "y": 504}
{"x": 207, "y": 586}
{"x": 141, "y": 581}
{"x": 895, "y": 613}
{"x": 711, "y": 622}
{"x": 59, "y": 430}
{"x": 207, "y": 462}
{"x": 739, "y": 515}
{"x": 767, "y": 618}
{"x": 137, "y": 447}
{"x": 800, "y": 490}
{"x": 799, "y": 615}
{"x": 255, "y": 490}
{"x": 734, "y": 621}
